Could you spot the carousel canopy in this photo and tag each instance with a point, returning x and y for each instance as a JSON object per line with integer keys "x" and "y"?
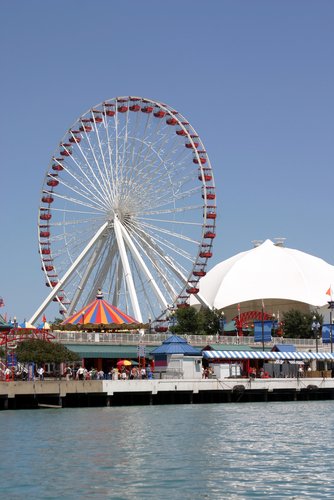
{"x": 99, "y": 312}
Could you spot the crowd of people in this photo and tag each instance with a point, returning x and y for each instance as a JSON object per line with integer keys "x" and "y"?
{"x": 79, "y": 373}
{"x": 122, "y": 373}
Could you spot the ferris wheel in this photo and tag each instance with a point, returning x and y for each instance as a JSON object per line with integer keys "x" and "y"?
{"x": 128, "y": 207}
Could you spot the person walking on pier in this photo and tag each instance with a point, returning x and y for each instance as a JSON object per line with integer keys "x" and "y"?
{"x": 40, "y": 373}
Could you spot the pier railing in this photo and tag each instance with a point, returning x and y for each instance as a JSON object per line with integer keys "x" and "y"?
{"x": 128, "y": 338}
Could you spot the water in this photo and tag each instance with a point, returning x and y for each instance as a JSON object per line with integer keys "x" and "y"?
{"x": 232, "y": 451}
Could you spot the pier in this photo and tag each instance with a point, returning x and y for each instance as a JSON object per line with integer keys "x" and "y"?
{"x": 93, "y": 393}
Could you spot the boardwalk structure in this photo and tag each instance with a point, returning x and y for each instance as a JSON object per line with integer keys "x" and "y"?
{"x": 62, "y": 394}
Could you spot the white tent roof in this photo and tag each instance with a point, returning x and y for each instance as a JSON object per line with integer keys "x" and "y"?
{"x": 268, "y": 271}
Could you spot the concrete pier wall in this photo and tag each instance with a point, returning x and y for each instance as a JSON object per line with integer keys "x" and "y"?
{"x": 62, "y": 394}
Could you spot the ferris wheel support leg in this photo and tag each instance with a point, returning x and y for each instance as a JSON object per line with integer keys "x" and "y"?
{"x": 141, "y": 263}
{"x": 119, "y": 274}
{"x": 203, "y": 301}
{"x": 68, "y": 273}
{"x": 127, "y": 270}
{"x": 101, "y": 276}
{"x": 85, "y": 277}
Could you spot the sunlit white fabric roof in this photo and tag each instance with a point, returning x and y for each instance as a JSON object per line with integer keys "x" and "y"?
{"x": 268, "y": 272}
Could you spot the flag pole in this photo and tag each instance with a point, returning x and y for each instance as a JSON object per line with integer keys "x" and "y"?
{"x": 331, "y": 306}
{"x": 262, "y": 316}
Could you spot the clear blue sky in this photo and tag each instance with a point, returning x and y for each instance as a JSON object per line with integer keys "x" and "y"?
{"x": 254, "y": 78}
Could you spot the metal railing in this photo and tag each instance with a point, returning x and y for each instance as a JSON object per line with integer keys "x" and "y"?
{"x": 81, "y": 337}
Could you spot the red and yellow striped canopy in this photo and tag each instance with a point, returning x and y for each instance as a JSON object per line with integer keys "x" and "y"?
{"x": 99, "y": 312}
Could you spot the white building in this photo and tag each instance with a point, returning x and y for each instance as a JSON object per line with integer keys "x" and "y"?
{"x": 283, "y": 278}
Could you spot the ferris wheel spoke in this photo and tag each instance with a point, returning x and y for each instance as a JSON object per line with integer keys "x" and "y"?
{"x": 74, "y": 222}
{"x": 142, "y": 143}
{"x": 171, "y": 211}
{"x": 164, "y": 243}
{"x": 86, "y": 181}
{"x": 102, "y": 181}
{"x": 179, "y": 236}
{"x": 153, "y": 172}
{"x": 110, "y": 148}
{"x": 162, "y": 247}
{"x": 125, "y": 143}
{"x": 75, "y": 201}
{"x": 88, "y": 171}
{"x": 105, "y": 176}
{"x": 163, "y": 197}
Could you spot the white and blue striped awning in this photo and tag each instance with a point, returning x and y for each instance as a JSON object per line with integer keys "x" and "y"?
{"x": 295, "y": 355}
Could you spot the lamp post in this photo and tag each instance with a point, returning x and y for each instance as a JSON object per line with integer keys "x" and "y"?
{"x": 331, "y": 307}
{"x": 149, "y": 324}
{"x": 262, "y": 324}
{"x": 331, "y": 330}
{"x": 315, "y": 329}
{"x": 221, "y": 325}
{"x": 274, "y": 324}
{"x": 83, "y": 318}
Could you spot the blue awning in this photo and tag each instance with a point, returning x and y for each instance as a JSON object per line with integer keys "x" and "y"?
{"x": 301, "y": 356}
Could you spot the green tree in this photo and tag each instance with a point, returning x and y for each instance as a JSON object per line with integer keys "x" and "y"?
{"x": 298, "y": 325}
{"x": 57, "y": 322}
{"x": 196, "y": 322}
{"x": 187, "y": 321}
{"x": 209, "y": 321}
{"x": 42, "y": 351}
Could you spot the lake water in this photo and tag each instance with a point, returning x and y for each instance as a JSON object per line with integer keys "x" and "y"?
{"x": 233, "y": 451}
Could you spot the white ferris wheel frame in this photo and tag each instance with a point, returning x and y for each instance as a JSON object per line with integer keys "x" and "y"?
{"x": 124, "y": 243}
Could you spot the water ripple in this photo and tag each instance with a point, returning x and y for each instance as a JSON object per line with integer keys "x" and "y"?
{"x": 237, "y": 451}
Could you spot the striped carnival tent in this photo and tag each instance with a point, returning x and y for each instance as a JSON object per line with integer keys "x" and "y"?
{"x": 100, "y": 312}
{"x": 266, "y": 355}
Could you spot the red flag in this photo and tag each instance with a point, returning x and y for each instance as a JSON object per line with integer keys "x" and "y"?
{"x": 44, "y": 318}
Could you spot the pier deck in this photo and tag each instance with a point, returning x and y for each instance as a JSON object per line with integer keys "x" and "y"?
{"x": 76, "y": 393}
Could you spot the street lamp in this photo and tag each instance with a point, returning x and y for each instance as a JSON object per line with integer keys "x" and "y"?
{"x": 149, "y": 324}
{"x": 315, "y": 329}
{"x": 83, "y": 318}
{"x": 222, "y": 324}
{"x": 262, "y": 325}
{"x": 274, "y": 321}
{"x": 330, "y": 307}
